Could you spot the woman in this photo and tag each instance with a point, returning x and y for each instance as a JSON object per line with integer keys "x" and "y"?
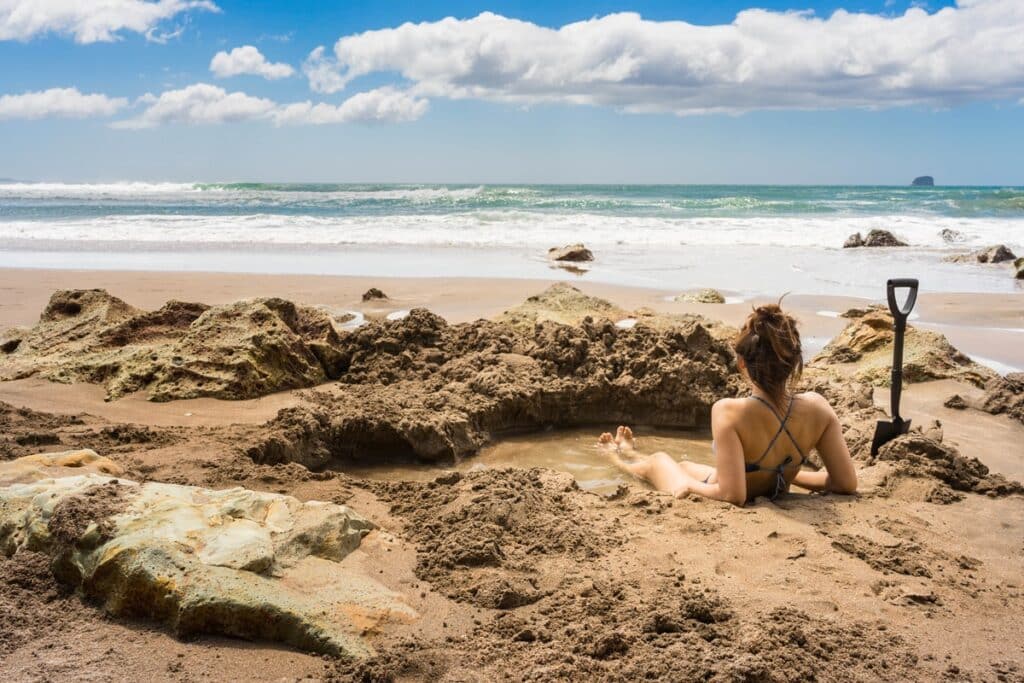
{"x": 760, "y": 442}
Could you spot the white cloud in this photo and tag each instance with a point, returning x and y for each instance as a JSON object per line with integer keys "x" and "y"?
{"x": 762, "y": 60}
{"x": 322, "y": 72}
{"x": 63, "y": 102}
{"x": 383, "y": 105}
{"x": 203, "y": 103}
{"x": 247, "y": 60}
{"x": 90, "y": 21}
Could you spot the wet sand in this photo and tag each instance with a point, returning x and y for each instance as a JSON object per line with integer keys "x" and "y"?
{"x": 887, "y": 585}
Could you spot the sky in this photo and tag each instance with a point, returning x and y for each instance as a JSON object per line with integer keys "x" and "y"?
{"x": 860, "y": 92}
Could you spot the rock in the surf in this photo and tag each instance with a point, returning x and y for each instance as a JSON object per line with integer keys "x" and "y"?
{"x": 1018, "y": 266}
{"x": 233, "y": 562}
{"x": 951, "y": 236}
{"x": 571, "y": 252}
{"x": 998, "y": 253}
{"x": 704, "y": 296}
{"x": 875, "y": 238}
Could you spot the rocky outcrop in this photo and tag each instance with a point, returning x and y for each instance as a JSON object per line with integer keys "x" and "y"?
{"x": 1005, "y": 396}
{"x": 232, "y": 562}
{"x": 875, "y": 238}
{"x": 421, "y": 388}
{"x": 994, "y": 254}
{"x": 863, "y": 351}
{"x": 704, "y": 296}
{"x": 574, "y": 253}
{"x": 373, "y": 294}
{"x": 184, "y": 350}
{"x": 1018, "y": 267}
{"x": 923, "y": 181}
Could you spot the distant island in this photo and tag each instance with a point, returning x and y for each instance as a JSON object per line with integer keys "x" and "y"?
{"x": 924, "y": 181}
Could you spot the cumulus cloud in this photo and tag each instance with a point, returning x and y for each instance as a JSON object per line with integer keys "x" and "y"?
{"x": 203, "y": 103}
{"x": 762, "y": 60}
{"x": 58, "y": 102}
{"x": 90, "y": 21}
{"x": 383, "y": 105}
{"x": 247, "y": 60}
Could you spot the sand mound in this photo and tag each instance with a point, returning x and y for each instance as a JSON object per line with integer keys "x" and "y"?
{"x": 609, "y": 631}
{"x": 481, "y": 535}
{"x": 419, "y": 387}
{"x": 863, "y": 351}
{"x": 184, "y": 350}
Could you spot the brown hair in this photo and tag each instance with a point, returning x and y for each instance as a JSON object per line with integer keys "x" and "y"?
{"x": 769, "y": 343}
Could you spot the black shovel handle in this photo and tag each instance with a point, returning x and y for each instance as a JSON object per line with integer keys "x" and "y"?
{"x": 899, "y": 316}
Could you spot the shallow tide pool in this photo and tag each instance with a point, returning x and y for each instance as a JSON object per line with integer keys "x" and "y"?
{"x": 574, "y": 451}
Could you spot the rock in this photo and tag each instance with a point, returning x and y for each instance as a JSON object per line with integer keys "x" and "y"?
{"x": 923, "y": 181}
{"x": 1005, "y": 396}
{"x": 863, "y": 351}
{"x": 233, "y": 562}
{"x": 570, "y": 252}
{"x": 875, "y": 238}
{"x": 183, "y": 350}
{"x": 956, "y": 402}
{"x": 1018, "y": 266}
{"x": 882, "y": 238}
{"x": 995, "y": 254}
{"x": 704, "y": 296}
{"x": 952, "y": 236}
{"x": 373, "y": 293}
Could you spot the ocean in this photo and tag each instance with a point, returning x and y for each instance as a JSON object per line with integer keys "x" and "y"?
{"x": 502, "y": 215}
{"x": 689, "y": 235}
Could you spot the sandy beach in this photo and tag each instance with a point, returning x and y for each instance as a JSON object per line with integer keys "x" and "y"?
{"x": 524, "y": 573}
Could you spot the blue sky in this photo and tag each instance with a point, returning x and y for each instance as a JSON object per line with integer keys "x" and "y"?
{"x": 874, "y": 95}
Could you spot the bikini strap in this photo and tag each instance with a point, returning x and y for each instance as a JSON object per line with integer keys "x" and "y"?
{"x": 782, "y": 428}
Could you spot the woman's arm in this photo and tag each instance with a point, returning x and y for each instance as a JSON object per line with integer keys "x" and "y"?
{"x": 731, "y": 486}
{"x": 839, "y": 475}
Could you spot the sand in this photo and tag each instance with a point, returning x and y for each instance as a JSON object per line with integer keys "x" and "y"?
{"x": 520, "y": 575}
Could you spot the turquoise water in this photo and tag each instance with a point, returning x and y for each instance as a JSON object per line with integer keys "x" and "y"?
{"x": 499, "y": 215}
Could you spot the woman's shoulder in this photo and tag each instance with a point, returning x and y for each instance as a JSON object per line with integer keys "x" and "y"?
{"x": 817, "y": 402}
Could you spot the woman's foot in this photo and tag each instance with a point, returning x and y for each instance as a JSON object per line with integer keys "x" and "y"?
{"x": 624, "y": 439}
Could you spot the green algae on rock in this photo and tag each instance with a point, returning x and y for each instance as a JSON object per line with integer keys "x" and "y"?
{"x": 233, "y": 562}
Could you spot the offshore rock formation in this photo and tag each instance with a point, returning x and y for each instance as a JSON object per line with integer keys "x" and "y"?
{"x": 923, "y": 181}
{"x": 863, "y": 351}
{"x": 233, "y": 562}
{"x": 183, "y": 350}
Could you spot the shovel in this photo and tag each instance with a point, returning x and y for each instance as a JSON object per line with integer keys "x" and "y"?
{"x": 885, "y": 430}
